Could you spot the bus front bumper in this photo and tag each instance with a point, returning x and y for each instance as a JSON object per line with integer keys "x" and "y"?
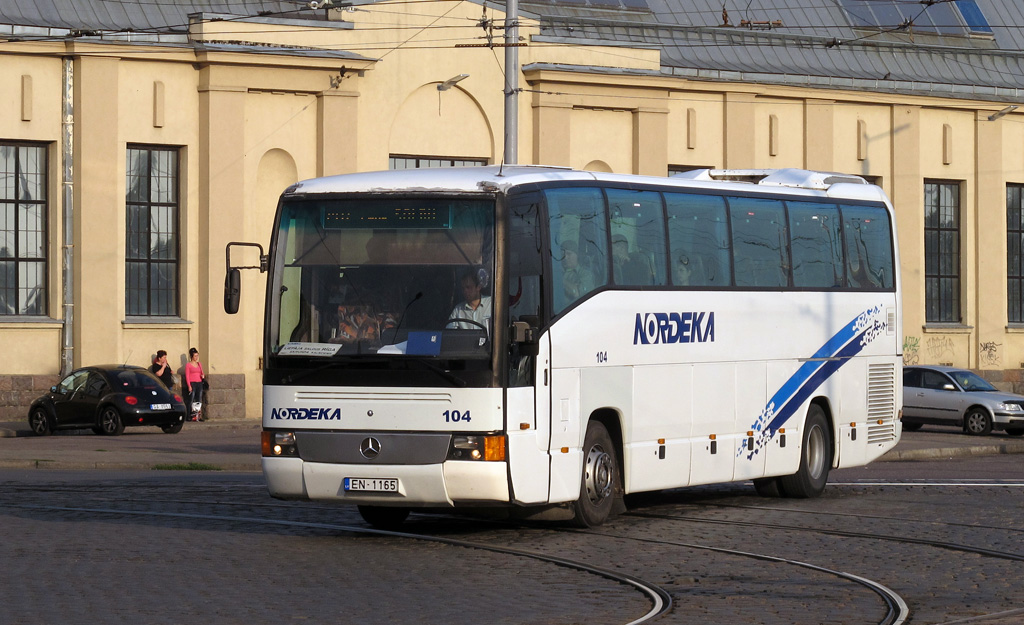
{"x": 450, "y": 483}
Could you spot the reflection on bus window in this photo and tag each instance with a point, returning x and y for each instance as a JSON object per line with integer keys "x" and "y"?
{"x": 759, "y": 242}
{"x": 816, "y": 245}
{"x": 869, "y": 259}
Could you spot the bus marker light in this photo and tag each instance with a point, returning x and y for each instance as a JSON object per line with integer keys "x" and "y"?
{"x": 661, "y": 441}
{"x": 524, "y": 426}
{"x": 494, "y": 448}
{"x": 477, "y": 447}
{"x": 565, "y": 450}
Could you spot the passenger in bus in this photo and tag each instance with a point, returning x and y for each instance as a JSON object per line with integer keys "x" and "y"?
{"x": 576, "y": 280}
{"x": 620, "y": 256}
{"x": 627, "y": 268}
{"x": 474, "y": 306}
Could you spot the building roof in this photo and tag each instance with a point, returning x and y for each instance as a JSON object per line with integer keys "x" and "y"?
{"x": 964, "y": 49}
{"x": 842, "y": 44}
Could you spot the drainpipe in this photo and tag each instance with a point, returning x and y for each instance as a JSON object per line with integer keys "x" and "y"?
{"x": 68, "y": 188}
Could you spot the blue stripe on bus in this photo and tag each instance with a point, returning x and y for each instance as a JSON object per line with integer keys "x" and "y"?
{"x": 836, "y": 352}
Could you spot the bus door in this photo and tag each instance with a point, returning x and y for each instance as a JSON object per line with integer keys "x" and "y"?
{"x": 529, "y": 377}
{"x": 529, "y": 431}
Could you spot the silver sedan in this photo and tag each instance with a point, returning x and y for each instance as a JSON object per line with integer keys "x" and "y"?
{"x": 949, "y": 396}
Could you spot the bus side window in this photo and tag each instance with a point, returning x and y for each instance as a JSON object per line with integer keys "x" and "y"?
{"x": 577, "y": 221}
{"x": 638, "y": 224}
{"x": 759, "y": 244}
{"x": 869, "y": 262}
{"x": 816, "y": 245}
{"x": 698, "y": 240}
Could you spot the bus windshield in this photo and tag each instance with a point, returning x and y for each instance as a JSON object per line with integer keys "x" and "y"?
{"x": 383, "y": 276}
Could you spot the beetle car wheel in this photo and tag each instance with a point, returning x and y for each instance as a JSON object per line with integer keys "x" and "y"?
{"x": 977, "y": 422}
{"x": 39, "y": 423}
{"x": 173, "y": 428}
{"x": 599, "y": 479}
{"x": 110, "y": 422}
{"x": 815, "y": 459}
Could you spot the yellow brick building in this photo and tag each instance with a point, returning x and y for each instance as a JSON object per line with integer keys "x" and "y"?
{"x": 134, "y": 147}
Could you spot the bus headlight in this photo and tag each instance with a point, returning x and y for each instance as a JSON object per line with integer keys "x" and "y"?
{"x": 279, "y": 445}
{"x": 488, "y": 447}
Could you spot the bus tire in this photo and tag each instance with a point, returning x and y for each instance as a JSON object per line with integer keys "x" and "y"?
{"x": 599, "y": 479}
{"x": 767, "y": 486}
{"x": 383, "y": 517}
{"x": 815, "y": 459}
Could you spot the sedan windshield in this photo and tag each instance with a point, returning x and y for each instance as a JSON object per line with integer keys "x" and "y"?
{"x": 971, "y": 381}
{"x": 384, "y": 276}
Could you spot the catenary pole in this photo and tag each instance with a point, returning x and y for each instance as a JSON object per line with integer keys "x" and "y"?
{"x": 511, "y": 82}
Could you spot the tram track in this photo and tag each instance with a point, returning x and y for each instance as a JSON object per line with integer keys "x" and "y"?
{"x": 991, "y": 553}
{"x": 897, "y": 610}
{"x": 660, "y": 600}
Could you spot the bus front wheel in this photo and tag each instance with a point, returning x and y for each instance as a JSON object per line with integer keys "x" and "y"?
{"x": 599, "y": 479}
{"x": 815, "y": 459}
{"x": 384, "y": 518}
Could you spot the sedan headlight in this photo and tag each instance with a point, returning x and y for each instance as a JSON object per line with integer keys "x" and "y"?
{"x": 1011, "y": 407}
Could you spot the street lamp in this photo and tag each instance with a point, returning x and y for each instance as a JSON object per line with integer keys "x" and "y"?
{"x": 446, "y": 85}
{"x": 994, "y": 116}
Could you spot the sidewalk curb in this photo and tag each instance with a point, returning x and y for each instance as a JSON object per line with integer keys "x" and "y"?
{"x": 234, "y": 424}
{"x": 61, "y": 465}
{"x": 897, "y": 455}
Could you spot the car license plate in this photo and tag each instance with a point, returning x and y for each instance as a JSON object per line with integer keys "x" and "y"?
{"x": 159, "y": 406}
{"x": 372, "y": 484}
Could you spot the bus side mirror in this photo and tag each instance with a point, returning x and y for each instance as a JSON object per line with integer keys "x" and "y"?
{"x": 524, "y": 334}
{"x": 233, "y": 277}
{"x": 232, "y": 290}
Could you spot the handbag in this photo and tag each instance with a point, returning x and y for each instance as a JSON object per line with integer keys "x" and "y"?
{"x": 206, "y": 385}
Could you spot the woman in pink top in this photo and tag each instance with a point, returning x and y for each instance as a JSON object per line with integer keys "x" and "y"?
{"x": 194, "y": 382}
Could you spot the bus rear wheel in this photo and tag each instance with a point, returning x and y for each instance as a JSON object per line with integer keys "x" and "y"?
{"x": 383, "y": 517}
{"x": 600, "y": 478}
{"x": 815, "y": 459}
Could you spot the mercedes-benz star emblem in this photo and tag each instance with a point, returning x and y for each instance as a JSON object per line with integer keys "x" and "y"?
{"x": 370, "y": 448}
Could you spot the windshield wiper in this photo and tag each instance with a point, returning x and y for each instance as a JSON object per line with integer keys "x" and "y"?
{"x": 448, "y": 375}
{"x": 298, "y": 375}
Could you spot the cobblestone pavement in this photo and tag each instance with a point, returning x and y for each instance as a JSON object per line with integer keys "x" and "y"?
{"x": 80, "y": 565}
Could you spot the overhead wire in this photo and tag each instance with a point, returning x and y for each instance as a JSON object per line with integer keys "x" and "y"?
{"x": 664, "y": 34}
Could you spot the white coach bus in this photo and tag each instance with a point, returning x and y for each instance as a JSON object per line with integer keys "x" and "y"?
{"x": 545, "y": 341}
